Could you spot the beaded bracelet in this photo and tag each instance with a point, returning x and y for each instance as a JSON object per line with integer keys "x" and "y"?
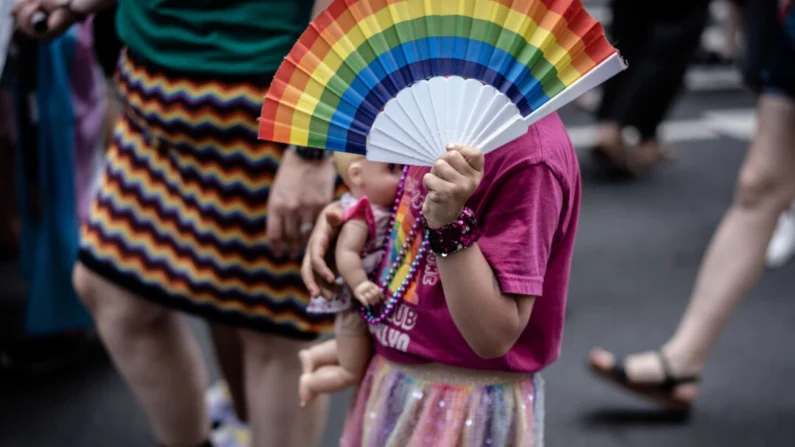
{"x": 454, "y": 237}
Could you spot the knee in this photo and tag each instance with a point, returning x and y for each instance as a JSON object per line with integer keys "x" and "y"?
{"x": 759, "y": 189}
{"x": 113, "y": 307}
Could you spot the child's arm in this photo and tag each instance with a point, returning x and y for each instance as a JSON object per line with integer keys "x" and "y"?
{"x": 489, "y": 320}
{"x": 350, "y": 244}
{"x": 491, "y": 287}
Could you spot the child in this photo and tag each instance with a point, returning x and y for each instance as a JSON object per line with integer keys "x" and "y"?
{"x": 360, "y": 248}
{"x": 477, "y": 273}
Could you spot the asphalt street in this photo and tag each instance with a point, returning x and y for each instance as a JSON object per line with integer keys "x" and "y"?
{"x": 638, "y": 249}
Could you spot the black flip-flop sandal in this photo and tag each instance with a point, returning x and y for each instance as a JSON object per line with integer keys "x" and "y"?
{"x": 661, "y": 393}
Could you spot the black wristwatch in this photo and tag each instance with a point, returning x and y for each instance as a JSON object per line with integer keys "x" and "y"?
{"x": 309, "y": 153}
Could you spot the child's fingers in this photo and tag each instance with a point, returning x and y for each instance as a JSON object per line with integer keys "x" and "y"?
{"x": 446, "y": 171}
{"x": 436, "y": 186}
{"x": 455, "y": 159}
{"x": 473, "y": 156}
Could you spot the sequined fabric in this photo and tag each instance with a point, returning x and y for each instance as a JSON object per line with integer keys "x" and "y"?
{"x": 393, "y": 409}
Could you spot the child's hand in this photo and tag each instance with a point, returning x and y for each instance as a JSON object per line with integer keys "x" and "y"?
{"x": 451, "y": 182}
{"x": 368, "y": 293}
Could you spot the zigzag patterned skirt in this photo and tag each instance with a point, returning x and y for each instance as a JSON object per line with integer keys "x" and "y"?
{"x": 180, "y": 216}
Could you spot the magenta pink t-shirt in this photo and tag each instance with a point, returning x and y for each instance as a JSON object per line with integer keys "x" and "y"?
{"x": 527, "y": 207}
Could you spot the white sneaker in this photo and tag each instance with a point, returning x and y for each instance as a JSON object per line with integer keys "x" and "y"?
{"x": 219, "y": 405}
{"x": 782, "y": 245}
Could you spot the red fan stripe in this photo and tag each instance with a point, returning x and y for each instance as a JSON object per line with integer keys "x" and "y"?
{"x": 583, "y": 39}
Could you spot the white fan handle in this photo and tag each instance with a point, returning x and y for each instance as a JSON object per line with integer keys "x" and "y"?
{"x": 516, "y": 128}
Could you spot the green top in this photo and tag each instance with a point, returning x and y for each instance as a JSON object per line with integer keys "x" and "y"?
{"x": 213, "y": 37}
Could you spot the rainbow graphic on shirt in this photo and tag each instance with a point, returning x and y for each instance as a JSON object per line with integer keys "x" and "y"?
{"x": 407, "y": 213}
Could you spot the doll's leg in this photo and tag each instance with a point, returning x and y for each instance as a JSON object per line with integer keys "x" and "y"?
{"x": 326, "y": 379}
{"x": 351, "y": 352}
{"x": 353, "y": 343}
{"x": 318, "y": 355}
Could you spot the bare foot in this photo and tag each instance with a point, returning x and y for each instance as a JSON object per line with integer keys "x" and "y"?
{"x": 305, "y": 393}
{"x": 649, "y": 154}
{"x": 609, "y": 150}
{"x": 646, "y": 375}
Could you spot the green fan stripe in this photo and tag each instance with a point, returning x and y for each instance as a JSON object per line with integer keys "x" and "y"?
{"x": 441, "y": 26}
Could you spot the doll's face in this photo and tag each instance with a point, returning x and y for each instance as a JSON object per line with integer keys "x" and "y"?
{"x": 377, "y": 181}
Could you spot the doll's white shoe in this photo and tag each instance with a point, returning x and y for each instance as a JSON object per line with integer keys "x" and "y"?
{"x": 782, "y": 245}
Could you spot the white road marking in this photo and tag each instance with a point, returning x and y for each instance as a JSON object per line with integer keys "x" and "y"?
{"x": 735, "y": 123}
{"x": 713, "y": 124}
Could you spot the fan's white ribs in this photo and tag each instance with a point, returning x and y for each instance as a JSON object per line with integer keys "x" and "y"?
{"x": 408, "y": 105}
{"x": 425, "y": 105}
{"x": 402, "y": 120}
{"x": 473, "y": 109}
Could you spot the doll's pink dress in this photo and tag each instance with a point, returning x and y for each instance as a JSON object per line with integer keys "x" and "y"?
{"x": 377, "y": 218}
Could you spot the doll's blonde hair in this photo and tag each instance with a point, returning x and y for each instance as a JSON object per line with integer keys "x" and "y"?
{"x": 343, "y": 160}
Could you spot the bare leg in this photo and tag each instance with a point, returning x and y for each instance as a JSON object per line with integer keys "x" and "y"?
{"x": 272, "y": 369}
{"x": 156, "y": 354}
{"x": 229, "y": 353}
{"x": 734, "y": 260}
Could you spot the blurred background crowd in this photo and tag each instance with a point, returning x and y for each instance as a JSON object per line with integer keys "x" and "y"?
{"x": 660, "y": 147}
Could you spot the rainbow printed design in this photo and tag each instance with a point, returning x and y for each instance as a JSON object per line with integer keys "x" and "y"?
{"x": 358, "y": 54}
{"x": 407, "y": 213}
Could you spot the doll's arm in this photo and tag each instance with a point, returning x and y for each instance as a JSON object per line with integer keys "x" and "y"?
{"x": 352, "y": 240}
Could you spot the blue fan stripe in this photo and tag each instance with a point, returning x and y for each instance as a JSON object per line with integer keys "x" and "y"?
{"x": 373, "y": 87}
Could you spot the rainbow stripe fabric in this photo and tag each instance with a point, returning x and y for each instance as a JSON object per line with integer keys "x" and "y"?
{"x": 357, "y": 55}
{"x": 393, "y": 408}
{"x": 181, "y": 215}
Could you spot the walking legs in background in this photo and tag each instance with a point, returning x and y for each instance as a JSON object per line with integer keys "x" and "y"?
{"x": 658, "y": 41}
{"x": 732, "y": 265}
{"x": 226, "y": 398}
{"x": 782, "y": 245}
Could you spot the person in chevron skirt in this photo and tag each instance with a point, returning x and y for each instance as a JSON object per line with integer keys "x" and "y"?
{"x": 195, "y": 214}
{"x": 669, "y": 375}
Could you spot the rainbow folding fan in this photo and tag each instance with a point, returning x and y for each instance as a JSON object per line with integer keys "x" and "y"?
{"x": 397, "y": 80}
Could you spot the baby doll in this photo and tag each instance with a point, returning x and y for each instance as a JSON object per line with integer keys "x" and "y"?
{"x": 339, "y": 363}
